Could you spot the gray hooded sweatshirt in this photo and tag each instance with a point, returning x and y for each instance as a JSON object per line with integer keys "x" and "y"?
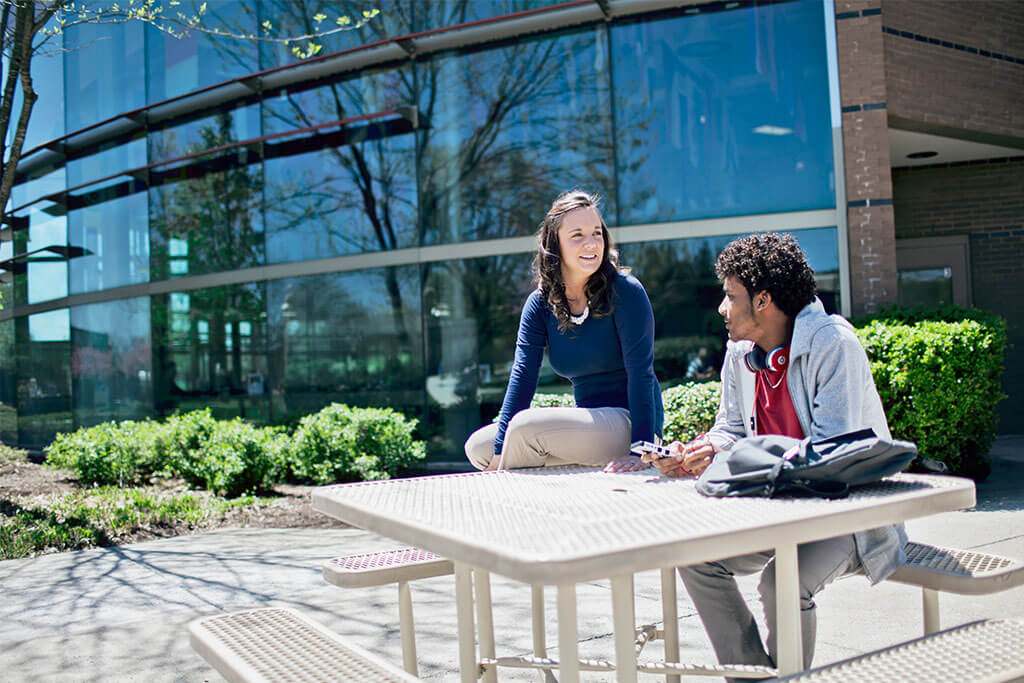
{"x": 833, "y": 392}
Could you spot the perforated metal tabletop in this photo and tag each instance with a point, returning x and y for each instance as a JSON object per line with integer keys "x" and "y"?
{"x": 549, "y": 525}
{"x": 564, "y": 525}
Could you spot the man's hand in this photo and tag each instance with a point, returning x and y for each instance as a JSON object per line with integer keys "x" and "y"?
{"x": 670, "y": 466}
{"x": 627, "y": 463}
{"x": 698, "y": 454}
{"x": 494, "y": 463}
{"x": 688, "y": 460}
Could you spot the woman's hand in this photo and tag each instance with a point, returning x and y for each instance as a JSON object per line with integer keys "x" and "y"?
{"x": 494, "y": 464}
{"x": 627, "y": 463}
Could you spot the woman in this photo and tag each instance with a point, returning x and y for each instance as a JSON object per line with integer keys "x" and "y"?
{"x": 596, "y": 322}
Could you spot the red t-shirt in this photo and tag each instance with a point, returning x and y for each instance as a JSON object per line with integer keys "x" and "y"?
{"x": 773, "y": 406}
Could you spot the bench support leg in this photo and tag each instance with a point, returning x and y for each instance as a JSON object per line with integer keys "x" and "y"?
{"x": 670, "y": 619}
{"x": 407, "y": 628}
{"x": 930, "y": 607}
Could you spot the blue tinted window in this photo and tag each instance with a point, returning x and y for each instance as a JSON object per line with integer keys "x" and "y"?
{"x": 104, "y": 71}
{"x": 510, "y": 128}
{"x": 179, "y": 65}
{"x": 723, "y": 113}
{"x": 111, "y": 359}
{"x": 290, "y": 18}
{"x": 116, "y": 234}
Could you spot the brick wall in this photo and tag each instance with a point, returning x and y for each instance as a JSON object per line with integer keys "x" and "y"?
{"x": 863, "y": 93}
{"x": 954, "y": 66}
{"x": 984, "y": 200}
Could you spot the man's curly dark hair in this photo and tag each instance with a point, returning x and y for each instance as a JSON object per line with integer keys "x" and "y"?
{"x": 773, "y": 262}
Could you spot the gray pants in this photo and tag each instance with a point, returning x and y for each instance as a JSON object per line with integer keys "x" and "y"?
{"x": 727, "y": 619}
{"x": 555, "y": 436}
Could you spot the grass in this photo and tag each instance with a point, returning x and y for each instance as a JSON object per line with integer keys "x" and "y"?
{"x": 103, "y": 516}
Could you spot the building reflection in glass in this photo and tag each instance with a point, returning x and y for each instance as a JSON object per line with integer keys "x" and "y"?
{"x": 345, "y": 338}
{"x": 111, "y": 361}
{"x": 43, "y": 372}
{"x": 208, "y": 346}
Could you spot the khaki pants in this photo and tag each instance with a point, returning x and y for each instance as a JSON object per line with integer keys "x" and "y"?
{"x": 555, "y": 436}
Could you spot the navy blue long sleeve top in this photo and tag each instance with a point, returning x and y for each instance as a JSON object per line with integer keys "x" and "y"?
{"x": 609, "y": 360}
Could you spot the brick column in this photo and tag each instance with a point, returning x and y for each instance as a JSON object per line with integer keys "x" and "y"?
{"x": 872, "y": 227}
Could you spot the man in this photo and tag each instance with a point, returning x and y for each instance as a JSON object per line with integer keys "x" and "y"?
{"x": 793, "y": 370}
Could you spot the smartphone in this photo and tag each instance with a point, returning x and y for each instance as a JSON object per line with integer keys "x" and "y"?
{"x": 641, "y": 447}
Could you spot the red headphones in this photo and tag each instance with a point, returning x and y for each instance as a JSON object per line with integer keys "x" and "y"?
{"x": 775, "y": 360}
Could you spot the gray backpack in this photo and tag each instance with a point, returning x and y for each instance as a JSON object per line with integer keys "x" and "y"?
{"x": 775, "y": 465}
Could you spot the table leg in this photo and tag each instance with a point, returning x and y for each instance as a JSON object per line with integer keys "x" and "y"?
{"x": 485, "y": 619}
{"x": 540, "y": 641}
{"x": 408, "y": 628}
{"x": 787, "y": 606}
{"x": 624, "y": 616}
{"x": 670, "y": 618}
{"x": 568, "y": 638}
{"x": 468, "y": 666}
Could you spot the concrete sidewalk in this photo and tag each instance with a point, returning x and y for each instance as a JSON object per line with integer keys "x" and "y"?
{"x": 120, "y": 614}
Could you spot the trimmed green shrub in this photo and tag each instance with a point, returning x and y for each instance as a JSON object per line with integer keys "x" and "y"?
{"x": 109, "y": 454}
{"x": 940, "y": 383}
{"x": 182, "y": 436}
{"x": 235, "y": 459}
{"x": 342, "y": 443}
{"x": 690, "y": 409}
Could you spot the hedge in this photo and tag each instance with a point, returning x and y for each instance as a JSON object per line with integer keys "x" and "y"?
{"x": 232, "y": 457}
{"x": 341, "y": 443}
{"x": 690, "y": 409}
{"x": 109, "y": 454}
{"x": 940, "y": 384}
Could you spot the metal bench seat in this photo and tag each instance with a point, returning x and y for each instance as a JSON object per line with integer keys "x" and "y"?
{"x": 272, "y": 644}
{"x": 949, "y": 570}
{"x": 400, "y": 566}
{"x": 990, "y": 650}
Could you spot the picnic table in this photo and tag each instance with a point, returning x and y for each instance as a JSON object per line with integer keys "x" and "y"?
{"x": 560, "y": 526}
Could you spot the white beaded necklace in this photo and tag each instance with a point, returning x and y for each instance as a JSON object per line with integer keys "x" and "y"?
{"x": 578, "y": 319}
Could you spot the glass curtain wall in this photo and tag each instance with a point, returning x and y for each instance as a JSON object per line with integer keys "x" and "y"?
{"x": 671, "y": 117}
